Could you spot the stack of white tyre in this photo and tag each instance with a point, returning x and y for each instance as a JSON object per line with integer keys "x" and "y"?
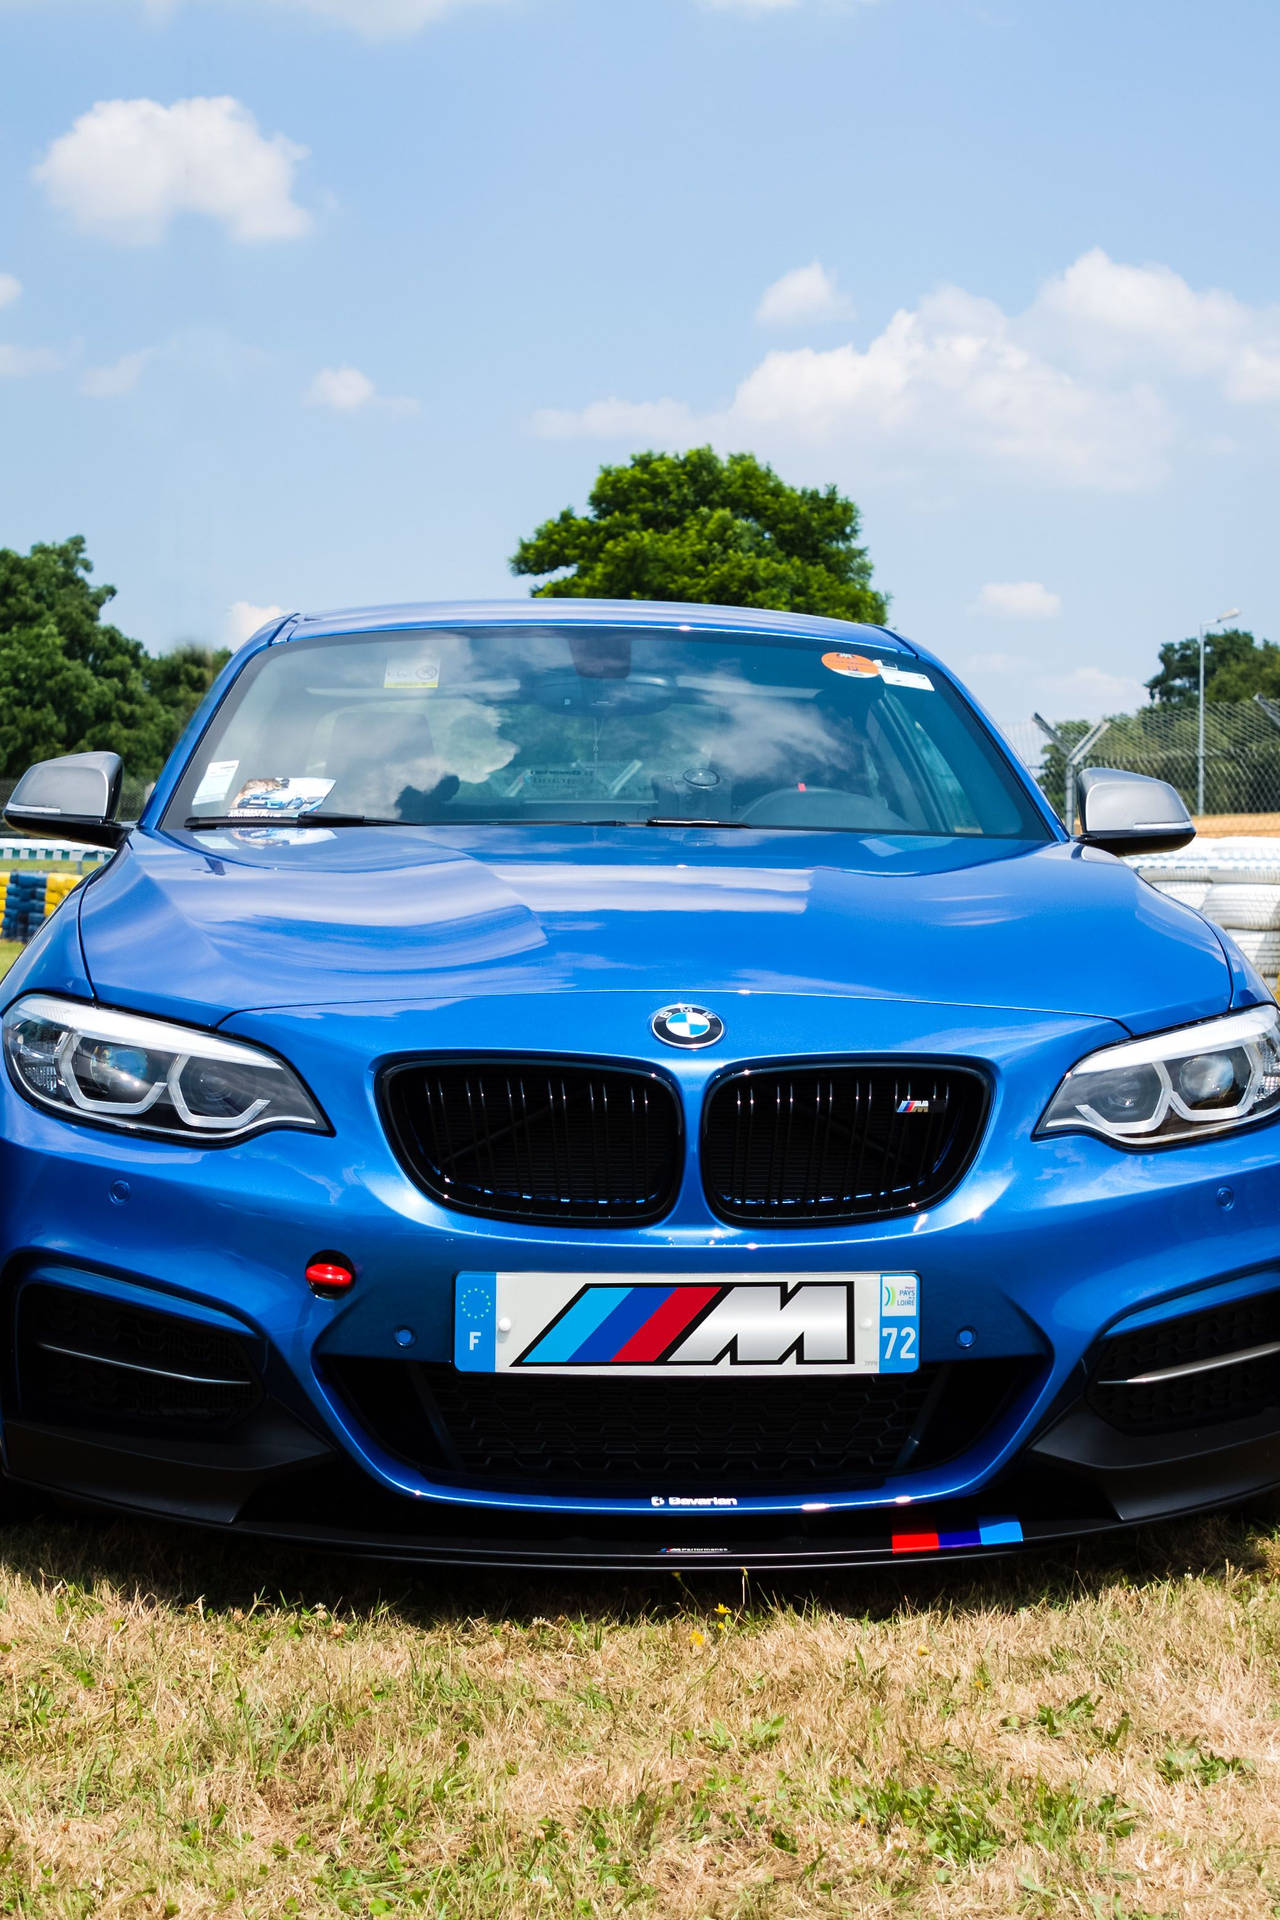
{"x": 1233, "y": 882}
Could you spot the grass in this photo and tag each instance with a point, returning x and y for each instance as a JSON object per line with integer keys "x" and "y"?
{"x": 191, "y": 1728}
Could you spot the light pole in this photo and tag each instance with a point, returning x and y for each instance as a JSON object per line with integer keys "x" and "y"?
{"x": 1232, "y": 613}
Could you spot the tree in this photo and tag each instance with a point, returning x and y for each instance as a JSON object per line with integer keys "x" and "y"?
{"x": 47, "y": 699}
{"x": 49, "y": 611}
{"x": 695, "y": 527}
{"x": 181, "y": 678}
{"x": 1236, "y": 666}
{"x": 71, "y": 682}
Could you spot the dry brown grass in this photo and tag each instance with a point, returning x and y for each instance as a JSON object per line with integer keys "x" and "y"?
{"x": 192, "y": 1730}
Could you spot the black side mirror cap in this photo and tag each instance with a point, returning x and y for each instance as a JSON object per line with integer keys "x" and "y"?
{"x": 1129, "y": 813}
{"x": 74, "y": 797}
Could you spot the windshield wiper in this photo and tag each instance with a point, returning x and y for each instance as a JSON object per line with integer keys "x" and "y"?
{"x": 661, "y": 821}
{"x": 198, "y": 820}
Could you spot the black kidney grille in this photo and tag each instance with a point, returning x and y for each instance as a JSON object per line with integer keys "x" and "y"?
{"x": 829, "y": 1144}
{"x": 1234, "y": 1391}
{"x": 532, "y": 1140}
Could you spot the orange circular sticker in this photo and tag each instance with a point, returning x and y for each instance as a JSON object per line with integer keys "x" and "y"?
{"x": 851, "y": 663}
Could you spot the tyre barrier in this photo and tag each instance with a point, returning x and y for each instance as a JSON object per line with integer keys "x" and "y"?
{"x": 27, "y": 899}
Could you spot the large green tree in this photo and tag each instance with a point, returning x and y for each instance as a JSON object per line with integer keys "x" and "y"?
{"x": 71, "y": 682}
{"x": 1236, "y": 666}
{"x": 693, "y": 526}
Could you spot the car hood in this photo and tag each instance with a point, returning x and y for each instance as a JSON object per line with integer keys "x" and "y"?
{"x": 204, "y": 926}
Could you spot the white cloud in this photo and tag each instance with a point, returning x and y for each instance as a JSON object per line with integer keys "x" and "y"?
{"x": 382, "y": 18}
{"x": 1115, "y": 314}
{"x": 121, "y": 377}
{"x": 1107, "y": 374}
{"x": 665, "y": 422}
{"x": 1089, "y": 692}
{"x": 1013, "y": 688}
{"x": 347, "y": 390}
{"x": 1018, "y": 600}
{"x": 949, "y": 378}
{"x": 127, "y": 168}
{"x": 17, "y": 362}
{"x": 243, "y": 620}
{"x": 806, "y": 294}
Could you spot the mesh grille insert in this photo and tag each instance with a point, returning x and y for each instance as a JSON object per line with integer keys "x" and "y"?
{"x": 86, "y": 1360}
{"x": 790, "y": 1145}
{"x": 1233, "y": 1392}
{"x": 634, "y": 1436}
{"x": 536, "y": 1140}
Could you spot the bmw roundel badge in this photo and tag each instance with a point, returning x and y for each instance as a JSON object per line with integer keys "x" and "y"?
{"x": 684, "y": 1026}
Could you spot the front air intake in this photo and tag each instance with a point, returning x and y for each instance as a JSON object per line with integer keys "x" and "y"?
{"x": 826, "y": 1146}
{"x": 536, "y": 1140}
{"x": 86, "y": 1360}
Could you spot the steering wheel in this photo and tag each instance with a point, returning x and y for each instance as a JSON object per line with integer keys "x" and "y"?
{"x": 815, "y": 807}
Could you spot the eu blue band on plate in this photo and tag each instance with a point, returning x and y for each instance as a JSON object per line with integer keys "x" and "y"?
{"x": 475, "y": 1322}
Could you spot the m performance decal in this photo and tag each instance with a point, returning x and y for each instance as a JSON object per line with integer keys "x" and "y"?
{"x": 698, "y": 1326}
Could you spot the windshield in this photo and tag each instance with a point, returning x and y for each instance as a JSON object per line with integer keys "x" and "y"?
{"x": 600, "y": 725}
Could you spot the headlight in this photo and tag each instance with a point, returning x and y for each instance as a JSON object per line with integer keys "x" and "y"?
{"x": 146, "y": 1076}
{"x": 1176, "y": 1086}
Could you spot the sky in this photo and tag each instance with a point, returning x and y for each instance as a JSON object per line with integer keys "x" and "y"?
{"x": 312, "y": 303}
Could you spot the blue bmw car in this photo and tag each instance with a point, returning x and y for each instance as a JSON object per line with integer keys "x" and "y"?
{"x": 609, "y": 1084}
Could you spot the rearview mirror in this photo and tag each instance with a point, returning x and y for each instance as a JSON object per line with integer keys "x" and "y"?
{"x": 74, "y": 797}
{"x": 1129, "y": 813}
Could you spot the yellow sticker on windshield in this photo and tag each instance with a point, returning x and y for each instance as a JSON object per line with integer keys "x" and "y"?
{"x": 412, "y": 671}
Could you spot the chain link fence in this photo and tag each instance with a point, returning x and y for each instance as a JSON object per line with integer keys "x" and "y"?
{"x": 1241, "y": 757}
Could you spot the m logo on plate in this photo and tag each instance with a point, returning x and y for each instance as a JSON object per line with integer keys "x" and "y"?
{"x": 710, "y": 1326}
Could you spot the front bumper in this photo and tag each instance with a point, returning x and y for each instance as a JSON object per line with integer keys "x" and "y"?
{"x": 1044, "y": 1249}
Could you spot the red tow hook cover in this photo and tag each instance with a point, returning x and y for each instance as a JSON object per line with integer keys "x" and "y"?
{"x": 330, "y": 1274}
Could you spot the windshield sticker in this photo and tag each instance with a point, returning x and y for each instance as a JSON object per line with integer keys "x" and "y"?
{"x": 853, "y": 665}
{"x": 290, "y": 796}
{"x": 412, "y": 672}
{"x": 216, "y": 782}
{"x": 900, "y": 677}
{"x": 860, "y": 666}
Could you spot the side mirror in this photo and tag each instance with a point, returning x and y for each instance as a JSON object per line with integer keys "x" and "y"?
{"x": 1128, "y": 813}
{"x": 75, "y": 797}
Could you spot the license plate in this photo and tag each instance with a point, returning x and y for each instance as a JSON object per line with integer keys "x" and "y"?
{"x": 686, "y": 1324}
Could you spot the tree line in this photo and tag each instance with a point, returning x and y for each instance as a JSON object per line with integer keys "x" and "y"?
{"x": 71, "y": 682}
{"x": 692, "y": 526}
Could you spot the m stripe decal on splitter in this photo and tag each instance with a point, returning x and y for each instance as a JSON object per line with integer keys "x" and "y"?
{"x": 1001, "y": 1532}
